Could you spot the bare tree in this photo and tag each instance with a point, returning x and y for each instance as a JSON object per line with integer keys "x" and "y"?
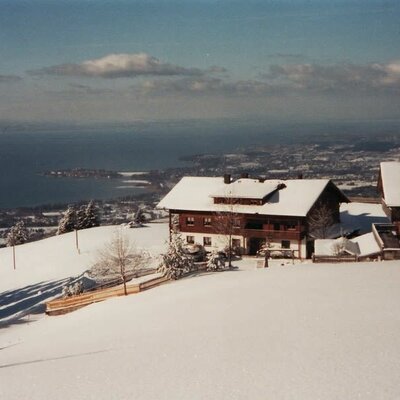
{"x": 119, "y": 257}
{"x": 321, "y": 221}
{"x": 227, "y": 224}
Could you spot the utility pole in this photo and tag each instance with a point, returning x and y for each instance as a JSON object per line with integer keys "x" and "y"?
{"x": 14, "y": 257}
{"x": 77, "y": 241}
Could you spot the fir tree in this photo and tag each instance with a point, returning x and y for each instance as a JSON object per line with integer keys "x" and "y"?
{"x": 18, "y": 234}
{"x": 91, "y": 215}
{"x": 176, "y": 262}
{"x": 68, "y": 221}
{"x": 81, "y": 220}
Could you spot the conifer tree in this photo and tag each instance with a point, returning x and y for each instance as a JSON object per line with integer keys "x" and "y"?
{"x": 18, "y": 234}
{"x": 176, "y": 262}
{"x": 68, "y": 221}
{"x": 91, "y": 216}
{"x": 81, "y": 220}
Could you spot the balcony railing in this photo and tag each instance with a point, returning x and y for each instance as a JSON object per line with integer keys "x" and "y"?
{"x": 273, "y": 235}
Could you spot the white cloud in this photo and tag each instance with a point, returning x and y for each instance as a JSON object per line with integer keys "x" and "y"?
{"x": 336, "y": 78}
{"x": 119, "y": 66}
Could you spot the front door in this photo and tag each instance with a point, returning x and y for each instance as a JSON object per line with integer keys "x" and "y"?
{"x": 255, "y": 244}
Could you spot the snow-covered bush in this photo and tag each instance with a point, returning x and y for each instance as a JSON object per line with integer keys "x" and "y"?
{"x": 216, "y": 261}
{"x": 18, "y": 234}
{"x": 176, "y": 261}
{"x": 73, "y": 289}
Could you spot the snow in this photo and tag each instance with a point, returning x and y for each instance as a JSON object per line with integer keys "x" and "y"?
{"x": 44, "y": 266}
{"x": 364, "y": 246}
{"x": 245, "y": 188}
{"x": 330, "y": 247}
{"x": 194, "y": 193}
{"x": 128, "y": 174}
{"x": 287, "y": 332}
{"x": 390, "y": 173}
{"x": 52, "y": 214}
{"x": 353, "y": 185}
{"x": 361, "y": 216}
{"x": 137, "y": 181}
{"x": 367, "y": 245}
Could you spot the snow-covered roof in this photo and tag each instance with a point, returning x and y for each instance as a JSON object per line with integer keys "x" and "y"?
{"x": 246, "y": 189}
{"x": 367, "y": 245}
{"x": 296, "y": 199}
{"x": 390, "y": 174}
{"x": 360, "y": 216}
{"x": 362, "y": 246}
{"x": 330, "y": 247}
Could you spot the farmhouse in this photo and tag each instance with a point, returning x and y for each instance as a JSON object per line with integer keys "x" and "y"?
{"x": 389, "y": 188}
{"x": 253, "y": 212}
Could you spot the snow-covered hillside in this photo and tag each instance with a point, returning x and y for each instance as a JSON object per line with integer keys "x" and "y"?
{"x": 287, "y": 332}
{"x": 43, "y": 267}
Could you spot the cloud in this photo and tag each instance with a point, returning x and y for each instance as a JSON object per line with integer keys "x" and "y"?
{"x": 120, "y": 66}
{"x": 9, "y": 78}
{"x": 287, "y": 79}
{"x": 204, "y": 86}
{"x": 336, "y": 78}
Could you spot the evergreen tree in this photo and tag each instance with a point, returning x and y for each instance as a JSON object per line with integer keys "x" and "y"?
{"x": 176, "y": 262}
{"x": 68, "y": 221}
{"x": 91, "y": 216}
{"x": 18, "y": 234}
{"x": 81, "y": 220}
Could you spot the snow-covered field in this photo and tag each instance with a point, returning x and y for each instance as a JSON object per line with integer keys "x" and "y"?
{"x": 298, "y": 331}
{"x": 43, "y": 267}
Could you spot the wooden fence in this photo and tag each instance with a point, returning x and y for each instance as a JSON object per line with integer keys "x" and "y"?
{"x": 334, "y": 259}
{"x": 66, "y": 305}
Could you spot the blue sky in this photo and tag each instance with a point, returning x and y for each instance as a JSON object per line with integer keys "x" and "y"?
{"x": 93, "y": 61}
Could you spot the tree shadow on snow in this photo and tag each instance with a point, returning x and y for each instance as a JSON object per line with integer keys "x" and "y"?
{"x": 18, "y": 303}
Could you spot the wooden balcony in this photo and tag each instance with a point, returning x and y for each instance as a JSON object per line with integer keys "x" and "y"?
{"x": 273, "y": 235}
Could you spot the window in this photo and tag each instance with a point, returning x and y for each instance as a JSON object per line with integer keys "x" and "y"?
{"x": 207, "y": 221}
{"x": 236, "y": 243}
{"x": 189, "y": 221}
{"x": 277, "y": 226}
{"x": 290, "y": 226}
{"x": 190, "y": 239}
{"x": 206, "y": 241}
{"x": 285, "y": 244}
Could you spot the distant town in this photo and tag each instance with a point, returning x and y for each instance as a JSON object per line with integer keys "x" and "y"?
{"x": 352, "y": 163}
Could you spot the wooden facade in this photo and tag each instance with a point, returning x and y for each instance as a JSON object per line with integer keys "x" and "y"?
{"x": 253, "y": 228}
